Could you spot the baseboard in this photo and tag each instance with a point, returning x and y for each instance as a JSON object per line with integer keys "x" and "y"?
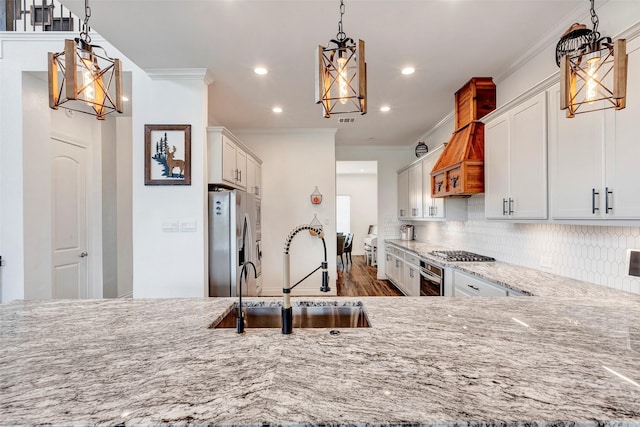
{"x": 127, "y": 295}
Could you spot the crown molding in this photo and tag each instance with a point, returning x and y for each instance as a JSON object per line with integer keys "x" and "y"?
{"x": 181, "y": 74}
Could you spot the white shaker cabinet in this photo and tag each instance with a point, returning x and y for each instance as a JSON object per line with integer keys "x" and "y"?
{"x": 593, "y": 159}
{"x": 403, "y": 194}
{"x": 516, "y": 162}
{"x": 254, "y": 176}
{"x": 229, "y": 162}
{"x": 432, "y": 207}
{"x": 415, "y": 191}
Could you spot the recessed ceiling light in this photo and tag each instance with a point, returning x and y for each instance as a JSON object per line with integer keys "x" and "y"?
{"x": 277, "y": 110}
{"x": 260, "y": 70}
{"x": 408, "y": 70}
{"x": 385, "y": 108}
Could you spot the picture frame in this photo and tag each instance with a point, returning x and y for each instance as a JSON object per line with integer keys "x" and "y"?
{"x": 167, "y": 154}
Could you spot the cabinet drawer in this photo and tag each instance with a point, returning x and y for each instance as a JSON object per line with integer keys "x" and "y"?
{"x": 412, "y": 259}
{"x": 466, "y": 285}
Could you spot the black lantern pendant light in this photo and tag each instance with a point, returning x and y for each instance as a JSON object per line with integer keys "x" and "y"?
{"x": 593, "y": 69}
{"x": 341, "y": 75}
{"x": 84, "y": 78}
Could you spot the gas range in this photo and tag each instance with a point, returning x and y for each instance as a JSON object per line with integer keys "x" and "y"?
{"x": 461, "y": 256}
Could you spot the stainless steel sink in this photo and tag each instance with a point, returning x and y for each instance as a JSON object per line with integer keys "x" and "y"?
{"x": 303, "y": 317}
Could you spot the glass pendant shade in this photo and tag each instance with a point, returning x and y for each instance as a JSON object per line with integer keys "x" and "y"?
{"x": 81, "y": 79}
{"x": 341, "y": 78}
{"x": 594, "y": 79}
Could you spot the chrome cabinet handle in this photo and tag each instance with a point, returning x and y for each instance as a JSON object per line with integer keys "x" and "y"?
{"x": 594, "y": 193}
{"x": 606, "y": 200}
{"x": 504, "y": 206}
{"x": 411, "y": 273}
{"x": 510, "y": 204}
{"x": 83, "y": 254}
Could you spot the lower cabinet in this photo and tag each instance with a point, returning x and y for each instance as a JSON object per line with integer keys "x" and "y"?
{"x": 411, "y": 280}
{"x": 466, "y": 285}
{"x": 402, "y": 270}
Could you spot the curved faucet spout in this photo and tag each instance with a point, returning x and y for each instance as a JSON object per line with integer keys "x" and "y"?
{"x": 243, "y": 273}
{"x": 287, "y": 311}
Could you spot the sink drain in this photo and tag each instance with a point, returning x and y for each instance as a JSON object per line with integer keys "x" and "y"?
{"x": 334, "y": 332}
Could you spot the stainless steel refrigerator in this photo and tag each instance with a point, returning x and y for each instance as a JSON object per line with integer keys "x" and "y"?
{"x": 234, "y": 238}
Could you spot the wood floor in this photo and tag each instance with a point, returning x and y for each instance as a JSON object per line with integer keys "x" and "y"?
{"x": 359, "y": 280}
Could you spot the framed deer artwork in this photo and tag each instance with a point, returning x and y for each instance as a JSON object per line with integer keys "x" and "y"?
{"x": 167, "y": 154}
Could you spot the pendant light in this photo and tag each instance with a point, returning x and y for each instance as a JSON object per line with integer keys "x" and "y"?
{"x": 341, "y": 74}
{"x": 84, "y": 78}
{"x": 593, "y": 69}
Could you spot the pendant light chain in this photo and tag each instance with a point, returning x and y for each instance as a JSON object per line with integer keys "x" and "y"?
{"x": 341, "y": 36}
{"x": 595, "y": 21}
{"x": 84, "y": 34}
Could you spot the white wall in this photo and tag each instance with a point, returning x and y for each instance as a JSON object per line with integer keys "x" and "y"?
{"x": 389, "y": 159}
{"x": 363, "y": 189}
{"x": 26, "y": 126}
{"x": 109, "y": 209}
{"x": 124, "y": 152}
{"x": 294, "y": 163}
{"x": 170, "y": 264}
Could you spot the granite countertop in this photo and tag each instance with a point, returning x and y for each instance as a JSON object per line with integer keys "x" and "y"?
{"x": 442, "y": 361}
{"x": 523, "y": 279}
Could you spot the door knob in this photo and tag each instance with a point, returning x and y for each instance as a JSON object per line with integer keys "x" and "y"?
{"x": 83, "y": 254}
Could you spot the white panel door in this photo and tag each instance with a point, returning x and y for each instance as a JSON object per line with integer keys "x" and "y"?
{"x": 576, "y": 153}
{"x": 229, "y": 170}
{"x": 496, "y": 167}
{"x": 528, "y": 159}
{"x": 403, "y": 194}
{"x": 69, "y": 196}
{"x": 623, "y": 150}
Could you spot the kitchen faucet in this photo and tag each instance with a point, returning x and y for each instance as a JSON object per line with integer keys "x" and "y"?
{"x": 287, "y": 311}
{"x": 243, "y": 272}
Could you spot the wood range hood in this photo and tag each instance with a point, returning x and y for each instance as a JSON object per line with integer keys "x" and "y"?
{"x": 459, "y": 172}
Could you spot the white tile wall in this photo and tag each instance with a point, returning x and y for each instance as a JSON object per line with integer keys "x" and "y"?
{"x": 596, "y": 254}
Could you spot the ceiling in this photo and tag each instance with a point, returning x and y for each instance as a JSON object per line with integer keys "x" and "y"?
{"x": 446, "y": 41}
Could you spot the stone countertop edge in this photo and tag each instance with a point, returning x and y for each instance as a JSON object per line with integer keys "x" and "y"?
{"x": 527, "y": 280}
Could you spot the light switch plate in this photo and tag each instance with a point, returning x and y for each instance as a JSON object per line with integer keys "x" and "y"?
{"x": 188, "y": 225}
{"x": 170, "y": 226}
{"x": 633, "y": 262}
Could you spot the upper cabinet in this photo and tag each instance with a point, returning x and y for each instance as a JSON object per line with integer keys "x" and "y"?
{"x": 231, "y": 164}
{"x": 593, "y": 157}
{"x": 516, "y": 162}
{"x": 414, "y": 193}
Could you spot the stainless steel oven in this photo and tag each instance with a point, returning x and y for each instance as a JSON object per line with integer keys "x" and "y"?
{"x": 431, "y": 279}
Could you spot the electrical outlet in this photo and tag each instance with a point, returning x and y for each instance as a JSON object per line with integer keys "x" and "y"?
{"x": 633, "y": 262}
{"x": 546, "y": 261}
{"x": 170, "y": 226}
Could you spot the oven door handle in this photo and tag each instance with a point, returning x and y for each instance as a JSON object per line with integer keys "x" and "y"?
{"x": 429, "y": 275}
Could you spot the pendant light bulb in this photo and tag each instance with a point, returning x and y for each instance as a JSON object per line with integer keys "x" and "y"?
{"x": 343, "y": 85}
{"x": 591, "y": 84}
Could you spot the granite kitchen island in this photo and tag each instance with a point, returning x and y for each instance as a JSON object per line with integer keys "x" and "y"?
{"x": 441, "y": 361}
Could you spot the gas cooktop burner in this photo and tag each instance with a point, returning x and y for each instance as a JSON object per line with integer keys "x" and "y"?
{"x": 461, "y": 256}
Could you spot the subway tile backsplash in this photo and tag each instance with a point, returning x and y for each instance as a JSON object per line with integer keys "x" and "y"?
{"x": 596, "y": 254}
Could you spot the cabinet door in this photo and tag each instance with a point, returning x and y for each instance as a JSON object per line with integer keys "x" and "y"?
{"x": 496, "y": 167}
{"x": 415, "y": 191}
{"x": 398, "y": 273}
{"x": 412, "y": 280}
{"x": 389, "y": 266}
{"x": 623, "y": 149}
{"x": 258, "y": 180}
{"x": 528, "y": 159}
{"x": 575, "y": 161}
{"x": 432, "y": 208}
{"x": 251, "y": 175}
{"x": 403, "y": 194}
{"x": 229, "y": 170}
{"x": 241, "y": 165}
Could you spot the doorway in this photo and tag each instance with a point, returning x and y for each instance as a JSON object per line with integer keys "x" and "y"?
{"x": 357, "y": 181}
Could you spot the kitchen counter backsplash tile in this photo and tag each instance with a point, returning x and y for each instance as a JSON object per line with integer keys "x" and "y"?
{"x": 519, "y": 278}
{"x": 429, "y": 361}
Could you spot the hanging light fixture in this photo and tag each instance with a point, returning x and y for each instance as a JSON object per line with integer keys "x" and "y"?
{"x": 341, "y": 75}
{"x": 593, "y": 69}
{"x": 84, "y": 78}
